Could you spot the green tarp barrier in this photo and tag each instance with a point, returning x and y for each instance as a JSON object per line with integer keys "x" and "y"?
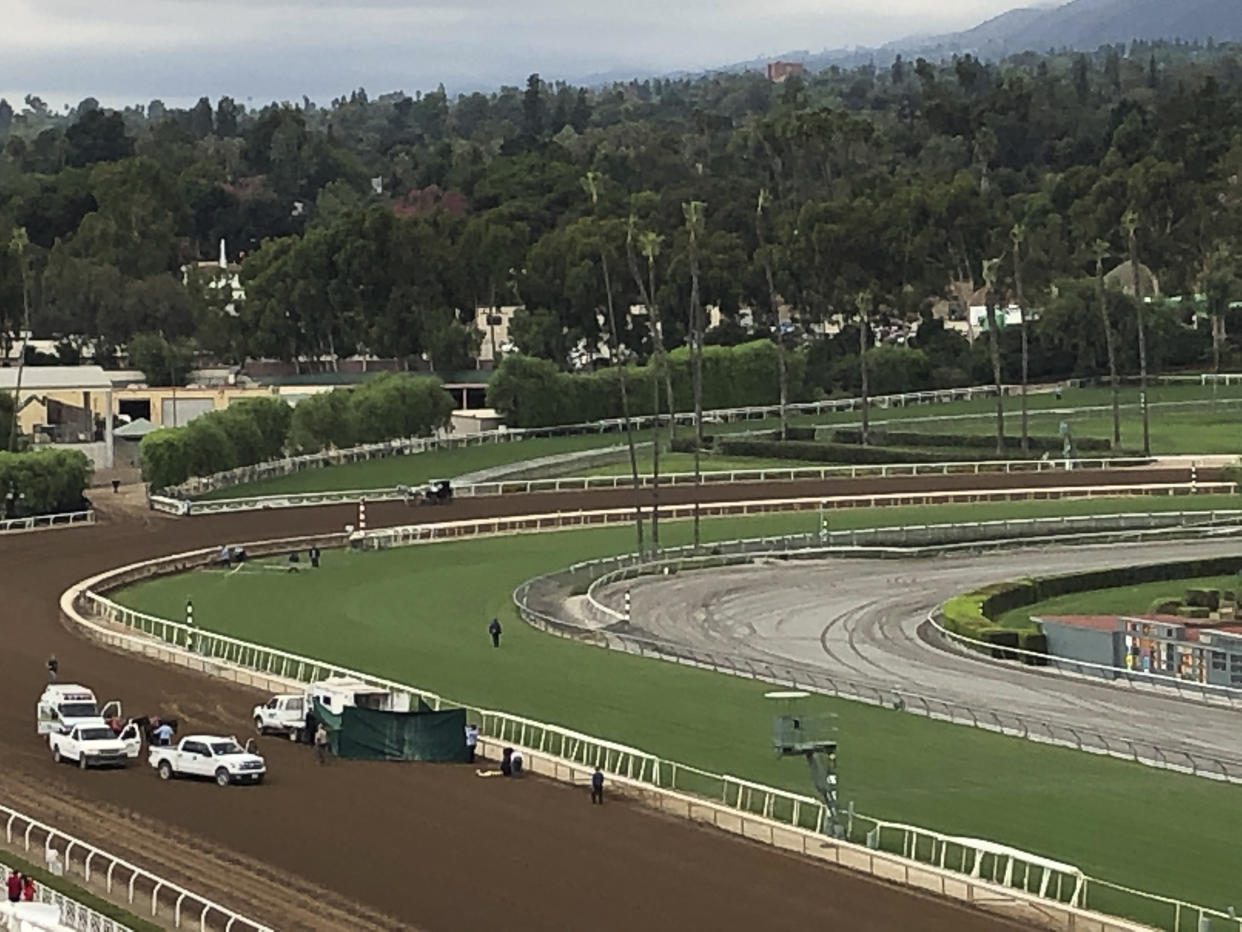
{"x": 368, "y": 734}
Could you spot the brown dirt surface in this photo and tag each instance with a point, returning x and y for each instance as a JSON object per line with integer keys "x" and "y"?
{"x": 423, "y": 847}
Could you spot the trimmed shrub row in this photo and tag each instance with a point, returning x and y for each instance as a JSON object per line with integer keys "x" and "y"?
{"x": 825, "y": 452}
{"x": 42, "y": 482}
{"x": 973, "y": 614}
{"x": 910, "y": 438}
{"x": 242, "y": 434}
{"x": 387, "y": 406}
{"x": 531, "y": 392}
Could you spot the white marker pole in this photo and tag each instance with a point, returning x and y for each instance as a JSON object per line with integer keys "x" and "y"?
{"x": 362, "y": 517}
{"x": 627, "y": 605}
{"x": 189, "y": 623}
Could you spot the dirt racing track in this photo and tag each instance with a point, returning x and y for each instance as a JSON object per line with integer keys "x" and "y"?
{"x": 371, "y": 846}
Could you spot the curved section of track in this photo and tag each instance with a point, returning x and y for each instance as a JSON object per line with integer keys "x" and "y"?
{"x": 421, "y": 847}
{"x": 858, "y": 619}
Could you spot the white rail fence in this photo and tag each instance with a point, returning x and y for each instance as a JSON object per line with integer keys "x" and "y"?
{"x": 414, "y": 445}
{"x": 73, "y": 914}
{"x": 275, "y": 670}
{"x": 145, "y": 892}
{"x": 589, "y": 483}
{"x": 42, "y": 522}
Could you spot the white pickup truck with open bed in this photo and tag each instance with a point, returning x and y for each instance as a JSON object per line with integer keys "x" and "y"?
{"x": 220, "y": 759}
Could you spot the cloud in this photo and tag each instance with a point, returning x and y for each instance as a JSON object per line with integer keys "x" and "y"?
{"x": 64, "y": 50}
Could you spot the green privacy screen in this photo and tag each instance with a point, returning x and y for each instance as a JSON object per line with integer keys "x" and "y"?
{"x": 368, "y": 734}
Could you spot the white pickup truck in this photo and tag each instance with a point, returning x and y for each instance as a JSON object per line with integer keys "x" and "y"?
{"x": 221, "y": 759}
{"x": 91, "y": 743}
{"x": 284, "y": 715}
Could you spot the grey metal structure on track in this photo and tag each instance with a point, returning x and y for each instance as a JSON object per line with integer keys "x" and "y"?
{"x": 858, "y": 628}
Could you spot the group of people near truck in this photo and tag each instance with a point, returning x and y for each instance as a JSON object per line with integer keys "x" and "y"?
{"x": 20, "y": 887}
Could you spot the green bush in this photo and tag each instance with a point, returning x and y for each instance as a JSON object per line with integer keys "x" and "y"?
{"x": 1034, "y": 642}
{"x": 910, "y": 438}
{"x": 1164, "y": 606}
{"x": 1203, "y": 598}
{"x": 532, "y": 392}
{"x": 824, "y": 452}
{"x": 43, "y": 482}
{"x": 1193, "y": 611}
{"x": 385, "y": 407}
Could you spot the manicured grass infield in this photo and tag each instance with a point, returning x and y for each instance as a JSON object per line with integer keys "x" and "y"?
{"x": 1119, "y": 600}
{"x": 419, "y": 615}
{"x": 1194, "y": 430}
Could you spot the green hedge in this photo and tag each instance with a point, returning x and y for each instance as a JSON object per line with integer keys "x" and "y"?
{"x": 825, "y": 452}
{"x": 243, "y": 434}
{"x": 531, "y": 392}
{"x": 1164, "y": 606}
{"x": 1203, "y": 598}
{"x": 259, "y": 429}
{"x": 41, "y": 482}
{"x": 910, "y": 438}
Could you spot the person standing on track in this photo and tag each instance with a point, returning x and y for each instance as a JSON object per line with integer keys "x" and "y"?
{"x": 472, "y": 740}
{"x": 494, "y": 630}
{"x": 53, "y": 667}
{"x": 313, "y": 554}
{"x": 597, "y": 788}
{"x": 163, "y": 734}
{"x": 321, "y": 743}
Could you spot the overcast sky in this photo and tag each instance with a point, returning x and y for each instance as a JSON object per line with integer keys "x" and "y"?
{"x": 130, "y": 51}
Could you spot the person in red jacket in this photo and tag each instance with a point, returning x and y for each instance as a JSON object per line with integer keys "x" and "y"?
{"x": 15, "y": 887}
{"x": 28, "y": 888}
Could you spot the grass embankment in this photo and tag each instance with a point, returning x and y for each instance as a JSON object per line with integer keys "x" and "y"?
{"x": 419, "y": 615}
{"x": 1172, "y": 432}
{"x": 46, "y": 879}
{"x": 1119, "y": 600}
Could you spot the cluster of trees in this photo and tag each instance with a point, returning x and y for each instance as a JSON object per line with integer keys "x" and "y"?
{"x": 43, "y": 482}
{"x": 255, "y": 430}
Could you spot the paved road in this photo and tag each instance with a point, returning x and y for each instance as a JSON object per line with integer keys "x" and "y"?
{"x": 857, "y": 619}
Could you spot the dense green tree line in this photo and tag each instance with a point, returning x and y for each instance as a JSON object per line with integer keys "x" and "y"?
{"x": 42, "y": 482}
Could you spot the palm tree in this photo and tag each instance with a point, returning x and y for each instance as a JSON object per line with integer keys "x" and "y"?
{"x": 649, "y": 242}
{"x": 990, "y": 270}
{"x": 1131, "y": 223}
{"x": 694, "y": 214}
{"x": 591, "y": 184}
{"x": 862, "y": 301}
{"x": 17, "y": 245}
{"x": 774, "y": 314}
{"x": 1018, "y": 236}
{"x": 1101, "y": 250}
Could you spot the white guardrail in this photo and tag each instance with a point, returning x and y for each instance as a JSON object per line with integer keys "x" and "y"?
{"x": 73, "y": 914}
{"x": 1005, "y": 880}
{"x": 402, "y": 447}
{"x": 42, "y": 522}
{"x": 169, "y": 903}
{"x": 187, "y": 507}
{"x": 766, "y": 808}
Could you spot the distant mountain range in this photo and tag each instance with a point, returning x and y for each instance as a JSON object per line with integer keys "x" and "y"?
{"x": 1084, "y": 25}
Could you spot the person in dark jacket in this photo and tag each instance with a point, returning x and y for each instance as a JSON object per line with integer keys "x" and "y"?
{"x": 494, "y": 630}
{"x": 53, "y": 667}
{"x": 506, "y": 762}
{"x": 313, "y": 553}
{"x": 597, "y": 788}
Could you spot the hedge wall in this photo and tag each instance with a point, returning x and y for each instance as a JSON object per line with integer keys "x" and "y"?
{"x": 242, "y": 434}
{"x": 43, "y": 482}
{"x": 896, "y": 438}
{"x": 825, "y": 452}
{"x": 259, "y": 429}
{"x": 531, "y": 392}
{"x": 973, "y": 614}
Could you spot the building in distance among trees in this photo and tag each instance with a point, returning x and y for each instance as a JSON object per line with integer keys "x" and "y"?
{"x": 778, "y": 71}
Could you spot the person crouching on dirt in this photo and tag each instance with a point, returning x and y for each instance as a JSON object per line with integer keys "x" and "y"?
{"x": 294, "y": 560}
{"x": 321, "y": 744}
{"x": 506, "y": 762}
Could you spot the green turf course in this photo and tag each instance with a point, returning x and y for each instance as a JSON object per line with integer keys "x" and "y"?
{"x": 1120, "y": 600}
{"x": 1178, "y": 430}
{"x": 419, "y": 615}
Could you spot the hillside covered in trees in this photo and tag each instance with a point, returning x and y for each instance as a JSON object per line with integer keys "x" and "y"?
{"x": 377, "y": 225}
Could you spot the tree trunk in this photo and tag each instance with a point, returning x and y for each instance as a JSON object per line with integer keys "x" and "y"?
{"x": 625, "y": 402}
{"x": 21, "y": 360}
{"x": 1142, "y": 339}
{"x": 864, "y": 319}
{"x": 1026, "y": 352}
{"x": 782, "y": 361}
{"x": 655, "y": 466}
{"x": 696, "y": 352}
{"x": 994, "y": 352}
{"x": 664, "y": 363}
{"x": 1110, "y": 344}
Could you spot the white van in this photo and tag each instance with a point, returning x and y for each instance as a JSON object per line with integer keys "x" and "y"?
{"x": 64, "y": 705}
